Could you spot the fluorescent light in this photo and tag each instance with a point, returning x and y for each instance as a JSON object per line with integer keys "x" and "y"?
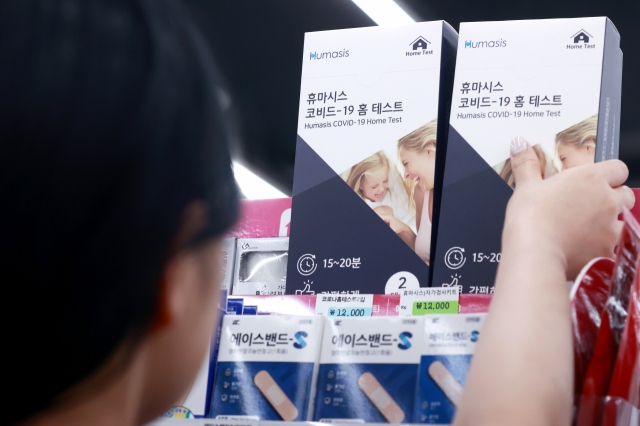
{"x": 384, "y": 12}
{"x": 254, "y": 187}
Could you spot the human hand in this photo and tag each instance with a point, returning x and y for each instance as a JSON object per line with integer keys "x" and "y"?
{"x": 571, "y": 217}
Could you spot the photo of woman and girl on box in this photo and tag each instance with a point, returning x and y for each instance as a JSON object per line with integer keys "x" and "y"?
{"x": 398, "y": 183}
{"x": 574, "y": 146}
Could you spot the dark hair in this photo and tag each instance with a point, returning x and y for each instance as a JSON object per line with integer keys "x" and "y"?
{"x": 109, "y": 127}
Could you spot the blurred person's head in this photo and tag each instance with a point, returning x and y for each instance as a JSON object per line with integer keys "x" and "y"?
{"x": 116, "y": 188}
{"x": 576, "y": 146}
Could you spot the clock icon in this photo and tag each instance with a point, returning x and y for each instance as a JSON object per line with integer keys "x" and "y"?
{"x": 307, "y": 264}
{"x": 454, "y": 258}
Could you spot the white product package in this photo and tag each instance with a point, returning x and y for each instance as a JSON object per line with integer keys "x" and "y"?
{"x": 449, "y": 343}
{"x": 368, "y": 369}
{"x": 373, "y": 106}
{"x": 261, "y": 266}
{"x": 554, "y": 84}
{"x": 266, "y": 367}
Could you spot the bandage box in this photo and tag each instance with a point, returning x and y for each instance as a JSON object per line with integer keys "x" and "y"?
{"x": 449, "y": 343}
{"x": 228, "y": 263}
{"x": 266, "y": 367}
{"x": 261, "y": 266}
{"x": 367, "y": 94}
{"x": 554, "y": 84}
{"x": 368, "y": 369}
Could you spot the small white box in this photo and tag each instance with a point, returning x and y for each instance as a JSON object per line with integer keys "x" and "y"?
{"x": 261, "y": 266}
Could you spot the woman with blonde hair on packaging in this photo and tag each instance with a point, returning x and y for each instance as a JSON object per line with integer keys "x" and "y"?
{"x": 417, "y": 153}
{"x": 379, "y": 185}
{"x": 576, "y": 146}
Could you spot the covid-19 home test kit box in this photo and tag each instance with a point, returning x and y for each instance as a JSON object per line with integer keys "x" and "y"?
{"x": 373, "y": 108}
{"x": 553, "y": 84}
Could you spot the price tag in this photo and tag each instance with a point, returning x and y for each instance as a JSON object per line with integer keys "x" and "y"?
{"x": 432, "y": 300}
{"x": 425, "y": 308}
{"x": 349, "y": 312}
{"x": 344, "y": 305}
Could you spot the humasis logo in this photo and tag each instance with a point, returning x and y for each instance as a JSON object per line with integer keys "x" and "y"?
{"x": 470, "y": 44}
{"x": 344, "y": 53}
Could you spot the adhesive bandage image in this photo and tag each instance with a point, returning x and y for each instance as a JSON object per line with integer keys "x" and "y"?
{"x": 276, "y": 397}
{"x": 380, "y": 398}
{"x": 445, "y": 381}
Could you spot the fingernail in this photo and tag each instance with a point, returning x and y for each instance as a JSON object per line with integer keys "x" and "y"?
{"x": 518, "y": 144}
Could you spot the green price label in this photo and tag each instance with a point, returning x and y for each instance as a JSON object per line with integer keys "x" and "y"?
{"x": 444, "y": 307}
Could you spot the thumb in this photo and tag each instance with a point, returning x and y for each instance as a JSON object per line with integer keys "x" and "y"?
{"x": 524, "y": 162}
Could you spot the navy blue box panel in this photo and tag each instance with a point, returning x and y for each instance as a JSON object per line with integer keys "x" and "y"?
{"x": 610, "y": 96}
{"x": 330, "y": 221}
{"x": 471, "y": 219}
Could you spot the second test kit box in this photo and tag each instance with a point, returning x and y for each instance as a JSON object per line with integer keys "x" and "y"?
{"x": 373, "y": 111}
{"x": 552, "y": 84}
{"x": 368, "y": 369}
{"x": 266, "y": 367}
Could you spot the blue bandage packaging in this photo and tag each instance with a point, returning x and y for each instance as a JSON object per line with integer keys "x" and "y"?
{"x": 449, "y": 343}
{"x": 368, "y": 369}
{"x": 266, "y": 367}
{"x": 362, "y": 205}
{"x": 552, "y": 84}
